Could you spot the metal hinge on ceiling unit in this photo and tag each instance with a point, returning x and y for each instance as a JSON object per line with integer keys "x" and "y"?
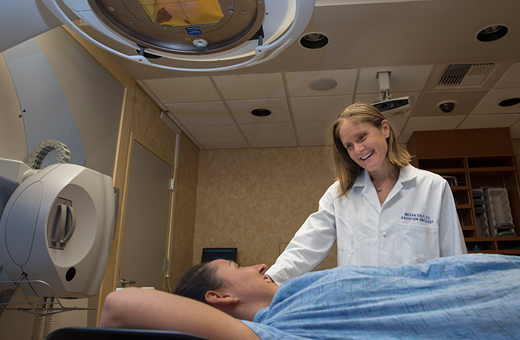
{"x": 462, "y": 75}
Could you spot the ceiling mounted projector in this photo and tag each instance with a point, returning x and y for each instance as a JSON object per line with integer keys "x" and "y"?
{"x": 395, "y": 107}
{"x": 189, "y": 30}
{"x": 391, "y": 107}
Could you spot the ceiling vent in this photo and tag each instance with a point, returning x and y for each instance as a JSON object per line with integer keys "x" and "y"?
{"x": 466, "y": 75}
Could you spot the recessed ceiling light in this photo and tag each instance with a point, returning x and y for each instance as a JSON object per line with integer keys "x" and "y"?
{"x": 509, "y": 102}
{"x": 492, "y": 33}
{"x": 314, "y": 40}
{"x": 261, "y": 112}
{"x": 323, "y": 84}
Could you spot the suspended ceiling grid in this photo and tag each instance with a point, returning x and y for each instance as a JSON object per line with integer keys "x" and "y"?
{"x": 415, "y": 41}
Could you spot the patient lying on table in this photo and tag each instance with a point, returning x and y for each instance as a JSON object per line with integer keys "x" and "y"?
{"x": 466, "y": 297}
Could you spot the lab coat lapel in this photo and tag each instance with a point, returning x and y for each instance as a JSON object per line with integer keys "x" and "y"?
{"x": 368, "y": 192}
{"x": 395, "y": 190}
{"x": 405, "y": 174}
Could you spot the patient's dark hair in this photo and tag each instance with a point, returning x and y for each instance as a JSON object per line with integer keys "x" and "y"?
{"x": 198, "y": 281}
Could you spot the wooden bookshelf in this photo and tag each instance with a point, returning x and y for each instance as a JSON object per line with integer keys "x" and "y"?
{"x": 469, "y": 164}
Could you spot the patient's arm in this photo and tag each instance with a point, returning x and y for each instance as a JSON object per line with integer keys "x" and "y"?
{"x": 151, "y": 309}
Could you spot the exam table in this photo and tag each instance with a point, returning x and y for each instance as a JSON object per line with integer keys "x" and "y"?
{"x": 80, "y": 333}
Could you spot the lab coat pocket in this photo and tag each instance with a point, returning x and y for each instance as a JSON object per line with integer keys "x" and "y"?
{"x": 416, "y": 243}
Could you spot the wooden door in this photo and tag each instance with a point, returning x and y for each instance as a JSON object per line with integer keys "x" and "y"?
{"x": 145, "y": 234}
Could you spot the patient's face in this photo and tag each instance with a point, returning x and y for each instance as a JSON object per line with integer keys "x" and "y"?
{"x": 248, "y": 283}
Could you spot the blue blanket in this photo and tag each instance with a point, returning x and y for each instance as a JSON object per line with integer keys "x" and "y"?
{"x": 462, "y": 297}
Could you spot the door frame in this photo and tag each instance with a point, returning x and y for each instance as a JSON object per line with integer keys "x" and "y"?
{"x": 121, "y": 220}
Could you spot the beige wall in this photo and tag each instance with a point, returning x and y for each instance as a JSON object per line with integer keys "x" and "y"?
{"x": 149, "y": 128}
{"x": 256, "y": 199}
{"x": 185, "y": 203}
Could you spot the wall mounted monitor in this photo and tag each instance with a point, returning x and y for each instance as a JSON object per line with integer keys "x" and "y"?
{"x": 210, "y": 254}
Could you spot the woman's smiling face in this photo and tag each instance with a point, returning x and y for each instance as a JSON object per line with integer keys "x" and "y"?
{"x": 365, "y": 143}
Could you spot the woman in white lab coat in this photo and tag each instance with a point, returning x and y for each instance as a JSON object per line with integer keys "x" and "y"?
{"x": 381, "y": 211}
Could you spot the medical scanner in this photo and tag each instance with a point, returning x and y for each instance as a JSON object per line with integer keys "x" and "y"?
{"x": 245, "y": 32}
{"x": 56, "y": 226}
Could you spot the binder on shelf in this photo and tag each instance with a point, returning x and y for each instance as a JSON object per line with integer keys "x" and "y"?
{"x": 481, "y": 212}
{"x": 499, "y": 212}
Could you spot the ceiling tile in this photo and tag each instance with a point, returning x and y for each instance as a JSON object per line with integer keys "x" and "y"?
{"x": 307, "y": 109}
{"x": 489, "y": 121}
{"x": 251, "y": 86}
{"x": 201, "y": 114}
{"x": 515, "y": 130}
{"x": 511, "y": 78}
{"x": 260, "y": 134}
{"x": 215, "y": 137}
{"x": 490, "y": 102}
{"x": 182, "y": 90}
{"x": 398, "y": 123}
{"x": 368, "y": 98}
{"x": 313, "y": 132}
{"x": 403, "y": 140}
{"x": 465, "y": 102}
{"x": 402, "y": 78}
{"x": 298, "y": 82}
{"x": 241, "y": 110}
{"x": 430, "y": 123}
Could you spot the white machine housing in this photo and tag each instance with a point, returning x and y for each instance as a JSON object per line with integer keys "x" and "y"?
{"x": 285, "y": 22}
{"x": 57, "y": 227}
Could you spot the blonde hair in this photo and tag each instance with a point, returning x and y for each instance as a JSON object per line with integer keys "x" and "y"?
{"x": 346, "y": 169}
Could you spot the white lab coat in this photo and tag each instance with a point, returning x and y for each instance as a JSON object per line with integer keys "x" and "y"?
{"x": 417, "y": 222}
